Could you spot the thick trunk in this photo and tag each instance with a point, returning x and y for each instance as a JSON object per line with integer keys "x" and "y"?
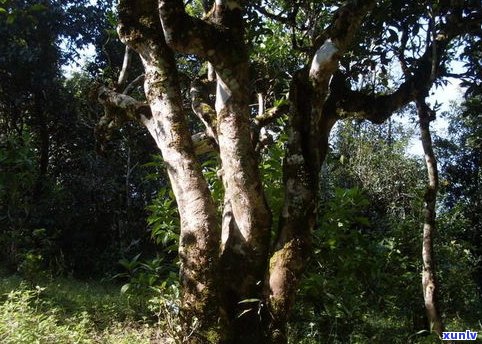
{"x": 429, "y": 281}
{"x": 199, "y": 239}
{"x": 246, "y": 219}
{"x": 306, "y": 150}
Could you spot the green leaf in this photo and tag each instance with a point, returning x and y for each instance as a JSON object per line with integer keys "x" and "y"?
{"x": 125, "y": 288}
{"x": 244, "y": 312}
{"x": 38, "y": 8}
{"x": 11, "y": 18}
{"x": 249, "y": 301}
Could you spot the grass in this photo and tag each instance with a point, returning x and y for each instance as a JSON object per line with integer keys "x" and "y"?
{"x": 375, "y": 325}
{"x": 377, "y": 329}
{"x": 65, "y": 311}
{"x": 69, "y": 311}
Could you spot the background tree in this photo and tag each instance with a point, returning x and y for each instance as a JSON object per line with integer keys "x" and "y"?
{"x": 62, "y": 205}
{"x": 461, "y": 170}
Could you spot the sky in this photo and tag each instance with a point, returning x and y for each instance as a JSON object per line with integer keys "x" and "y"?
{"x": 445, "y": 96}
{"x": 85, "y": 55}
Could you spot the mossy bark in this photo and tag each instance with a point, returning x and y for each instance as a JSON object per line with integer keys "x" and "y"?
{"x": 429, "y": 280}
{"x": 140, "y": 28}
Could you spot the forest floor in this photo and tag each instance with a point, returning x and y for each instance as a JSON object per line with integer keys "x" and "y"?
{"x": 65, "y": 311}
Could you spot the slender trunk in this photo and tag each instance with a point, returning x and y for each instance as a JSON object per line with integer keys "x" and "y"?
{"x": 429, "y": 280}
{"x": 44, "y": 148}
{"x": 140, "y": 28}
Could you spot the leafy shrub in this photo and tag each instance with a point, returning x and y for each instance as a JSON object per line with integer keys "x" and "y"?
{"x": 21, "y": 321}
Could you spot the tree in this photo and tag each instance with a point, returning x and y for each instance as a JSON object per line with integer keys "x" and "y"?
{"x": 60, "y": 202}
{"x": 32, "y": 108}
{"x": 461, "y": 171}
{"x": 239, "y": 276}
{"x": 429, "y": 280}
{"x": 425, "y": 116}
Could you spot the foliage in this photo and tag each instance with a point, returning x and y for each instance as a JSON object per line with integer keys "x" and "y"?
{"x": 163, "y": 220}
{"x": 50, "y": 210}
{"x": 271, "y": 168}
{"x": 458, "y": 265}
{"x": 166, "y": 304}
{"x": 21, "y": 323}
{"x": 25, "y": 247}
{"x": 67, "y": 311}
{"x": 210, "y": 170}
{"x": 147, "y": 277}
{"x": 363, "y": 283}
{"x": 460, "y": 157}
{"x": 89, "y": 215}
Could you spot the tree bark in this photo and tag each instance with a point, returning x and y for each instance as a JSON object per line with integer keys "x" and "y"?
{"x": 429, "y": 280}
{"x": 140, "y": 28}
{"x": 246, "y": 220}
{"x": 309, "y": 129}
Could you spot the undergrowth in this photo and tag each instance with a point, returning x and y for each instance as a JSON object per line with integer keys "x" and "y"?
{"x": 68, "y": 311}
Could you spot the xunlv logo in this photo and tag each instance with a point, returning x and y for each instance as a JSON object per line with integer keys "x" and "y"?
{"x": 467, "y": 335}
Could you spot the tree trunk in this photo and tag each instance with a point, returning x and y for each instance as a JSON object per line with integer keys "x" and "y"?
{"x": 140, "y": 28}
{"x": 44, "y": 146}
{"x": 429, "y": 280}
{"x": 246, "y": 219}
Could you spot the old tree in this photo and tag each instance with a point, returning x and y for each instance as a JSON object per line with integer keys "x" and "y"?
{"x": 239, "y": 275}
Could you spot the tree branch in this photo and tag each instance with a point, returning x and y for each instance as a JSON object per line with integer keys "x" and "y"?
{"x": 203, "y": 110}
{"x": 192, "y": 35}
{"x": 340, "y": 35}
{"x": 263, "y": 120}
{"x": 204, "y": 144}
{"x": 272, "y": 114}
{"x": 378, "y": 108}
{"x": 218, "y": 41}
{"x": 122, "y": 106}
{"x": 133, "y": 84}
{"x": 276, "y": 17}
{"x": 125, "y": 67}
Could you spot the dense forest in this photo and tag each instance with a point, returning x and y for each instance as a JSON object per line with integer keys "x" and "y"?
{"x": 237, "y": 171}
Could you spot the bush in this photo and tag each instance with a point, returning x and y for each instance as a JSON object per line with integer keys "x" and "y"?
{"x": 22, "y": 322}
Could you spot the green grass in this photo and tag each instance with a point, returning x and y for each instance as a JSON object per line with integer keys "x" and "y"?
{"x": 69, "y": 311}
{"x": 373, "y": 327}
